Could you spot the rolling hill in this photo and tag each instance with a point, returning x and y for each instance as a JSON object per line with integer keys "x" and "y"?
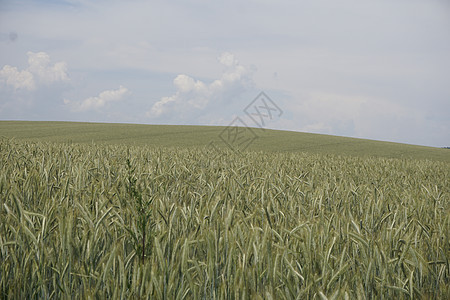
{"x": 202, "y": 136}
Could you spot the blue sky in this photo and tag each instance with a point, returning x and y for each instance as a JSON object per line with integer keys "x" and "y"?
{"x": 369, "y": 69}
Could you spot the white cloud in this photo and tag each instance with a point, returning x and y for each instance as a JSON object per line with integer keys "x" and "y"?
{"x": 39, "y": 65}
{"x": 39, "y": 70}
{"x": 227, "y": 59}
{"x": 17, "y": 79}
{"x": 99, "y": 101}
{"x": 196, "y": 94}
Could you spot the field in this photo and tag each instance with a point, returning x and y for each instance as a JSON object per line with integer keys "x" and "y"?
{"x": 157, "y": 219}
{"x": 201, "y": 136}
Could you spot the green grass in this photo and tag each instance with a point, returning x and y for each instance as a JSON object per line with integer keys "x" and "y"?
{"x": 195, "y": 136}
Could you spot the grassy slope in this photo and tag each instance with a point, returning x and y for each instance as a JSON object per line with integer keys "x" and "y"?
{"x": 189, "y": 136}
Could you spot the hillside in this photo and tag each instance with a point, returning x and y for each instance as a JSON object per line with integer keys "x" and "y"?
{"x": 191, "y": 136}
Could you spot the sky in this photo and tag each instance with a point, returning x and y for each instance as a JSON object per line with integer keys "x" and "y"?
{"x": 369, "y": 69}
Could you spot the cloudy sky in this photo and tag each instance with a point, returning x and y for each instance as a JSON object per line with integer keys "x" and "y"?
{"x": 371, "y": 69}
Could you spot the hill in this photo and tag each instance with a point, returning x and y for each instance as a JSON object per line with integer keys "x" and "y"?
{"x": 194, "y": 136}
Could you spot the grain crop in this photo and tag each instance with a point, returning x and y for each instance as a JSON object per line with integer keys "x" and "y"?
{"x": 113, "y": 221}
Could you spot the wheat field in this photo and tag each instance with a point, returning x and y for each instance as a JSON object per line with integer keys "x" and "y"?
{"x": 89, "y": 221}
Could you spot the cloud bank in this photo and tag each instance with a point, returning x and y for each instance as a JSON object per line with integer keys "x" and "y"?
{"x": 17, "y": 79}
{"x": 97, "y": 102}
{"x": 39, "y": 71}
{"x": 194, "y": 94}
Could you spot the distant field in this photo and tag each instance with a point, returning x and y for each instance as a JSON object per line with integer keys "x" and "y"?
{"x": 195, "y": 136}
